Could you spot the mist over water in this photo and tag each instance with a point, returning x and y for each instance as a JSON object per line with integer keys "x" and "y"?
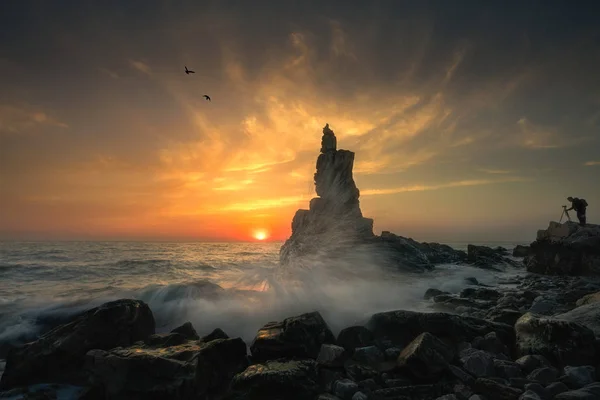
{"x": 232, "y": 286}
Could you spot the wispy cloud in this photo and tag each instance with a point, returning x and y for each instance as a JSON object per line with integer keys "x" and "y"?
{"x": 496, "y": 171}
{"x": 20, "y": 119}
{"x": 421, "y": 188}
{"x": 141, "y": 66}
{"x": 591, "y": 163}
{"x": 108, "y": 72}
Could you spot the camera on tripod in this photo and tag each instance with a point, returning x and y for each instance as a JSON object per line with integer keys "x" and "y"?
{"x": 565, "y": 212}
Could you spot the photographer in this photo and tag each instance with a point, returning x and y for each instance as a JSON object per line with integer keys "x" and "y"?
{"x": 579, "y": 205}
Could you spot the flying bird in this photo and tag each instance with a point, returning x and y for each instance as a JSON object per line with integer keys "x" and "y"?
{"x": 189, "y": 71}
{"x": 207, "y": 97}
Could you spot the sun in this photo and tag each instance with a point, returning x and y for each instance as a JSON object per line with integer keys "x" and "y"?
{"x": 260, "y": 235}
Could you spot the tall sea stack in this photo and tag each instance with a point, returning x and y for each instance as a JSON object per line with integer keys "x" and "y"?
{"x": 333, "y": 220}
{"x": 334, "y": 229}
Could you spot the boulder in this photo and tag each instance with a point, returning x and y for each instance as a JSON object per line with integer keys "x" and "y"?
{"x": 300, "y": 336}
{"x": 272, "y": 379}
{"x": 426, "y": 356}
{"x": 567, "y": 249}
{"x": 355, "y": 336}
{"x": 588, "y": 299}
{"x": 520, "y": 251}
{"x": 401, "y": 327}
{"x": 589, "y": 392}
{"x": 587, "y": 315}
{"x": 477, "y": 362}
{"x": 493, "y": 390}
{"x": 187, "y": 331}
{"x": 187, "y": 371}
{"x": 59, "y": 355}
{"x": 578, "y": 377}
{"x": 562, "y": 342}
{"x": 331, "y": 355}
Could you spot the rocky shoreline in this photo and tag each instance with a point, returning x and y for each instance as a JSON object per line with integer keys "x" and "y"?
{"x": 535, "y": 338}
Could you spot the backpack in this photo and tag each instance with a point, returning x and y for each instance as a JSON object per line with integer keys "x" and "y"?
{"x": 584, "y": 203}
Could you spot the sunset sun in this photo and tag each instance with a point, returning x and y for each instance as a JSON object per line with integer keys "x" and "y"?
{"x": 260, "y": 235}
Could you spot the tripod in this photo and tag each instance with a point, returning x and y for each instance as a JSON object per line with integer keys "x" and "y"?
{"x": 565, "y": 212}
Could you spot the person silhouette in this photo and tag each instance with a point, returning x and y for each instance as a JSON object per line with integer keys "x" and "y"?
{"x": 580, "y": 206}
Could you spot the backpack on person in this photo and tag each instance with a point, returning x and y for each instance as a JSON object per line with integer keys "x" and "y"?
{"x": 584, "y": 203}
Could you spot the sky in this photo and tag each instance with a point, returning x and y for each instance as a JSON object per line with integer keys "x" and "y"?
{"x": 470, "y": 120}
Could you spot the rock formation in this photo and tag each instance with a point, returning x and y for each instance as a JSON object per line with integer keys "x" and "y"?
{"x": 565, "y": 249}
{"x": 334, "y": 218}
{"x": 334, "y": 228}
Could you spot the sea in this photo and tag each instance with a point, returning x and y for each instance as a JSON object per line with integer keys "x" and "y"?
{"x": 237, "y": 287}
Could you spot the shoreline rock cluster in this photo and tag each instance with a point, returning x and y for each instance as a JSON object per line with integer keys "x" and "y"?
{"x": 113, "y": 352}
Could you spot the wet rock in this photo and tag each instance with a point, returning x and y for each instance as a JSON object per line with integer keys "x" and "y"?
{"x": 588, "y": 299}
{"x": 496, "y": 391}
{"x": 520, "y": 251}
{"x": 265, "y": 381}
{"x": 578, "y": 377}
{"x": 327, "y": 396}
{"x": 544, "y": 376}
{"x": 488, "y": 258}
{"x": 59, "y": 355}
{"x": 424, "y": 392}
{"x": 359, "y": 372}
{"x": 370, "y": 355}
{"x": 426, "y": 356}
{"x": 589, "y": 392}
{"x": 401, "y": 327}
{"x": 331, "y": 355}
{"x": 491, "y": 344}
{"x": 504, "y": 316}
{"x": 185, "y": 371}
{"x": 556, "y": 388}
{"x": 214, "y": 335}
{"x": 561, "y": 342}
{"x": 447, "y": 397}
{"x": 300, "y": 336}
{"x": 360, "y": 396}
{"x": 461, "y": 375}
{"x": 537, "y": 389}
{"x": 530, "y": 395}
{"x": 392, "y": 353}
{"x": 187, "y": 331}
{"x": 479, "y": 363}
{"x": 355, "y": 336}
{"x": 480, "y": 293}
{"x": 519, "y": 383}
{"x": 345, "y": 389}
{"x": 327, "y": 376}
{"x": 529, "y": 363}
{"x": 587, "y": 315}
{"x": 507, "y": 369}
{"x": 544, "y": 306}
{"x": 431, "y": 293}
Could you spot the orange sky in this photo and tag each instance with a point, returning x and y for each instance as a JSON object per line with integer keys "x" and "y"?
{"x": 462, "y": 129}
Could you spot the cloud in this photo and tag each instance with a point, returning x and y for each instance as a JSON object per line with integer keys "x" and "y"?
{"x": 24, "y": 118}
{"x": 496, "y": 171}
{"x": 536, "y": 137}
{"x": 421, "y": 188}
{"x": 140, "y": 66}
{"x": 591, "y": 163}
{"x": 110, "y": 73}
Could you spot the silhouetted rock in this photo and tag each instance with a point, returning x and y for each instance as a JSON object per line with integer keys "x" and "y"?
{"x": 59, "y": 355}
{"x": 489, "y": 258}
{"x": 190, "y": 370}
{"x": 401, "y": 327}
{"x": 187, "y": 331}
{"x": 566, "y": 249}
{"x": 300, "y": 336}
{"x": 354, "y": 337}
{"x": 426, "y": 356}
{"x": 520, "y": 251}
{"x": 587, "y": 315}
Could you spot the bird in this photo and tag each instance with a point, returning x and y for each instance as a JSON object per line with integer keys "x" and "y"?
{"x": 189, "y": 71}
{"x": 207, "y": 97}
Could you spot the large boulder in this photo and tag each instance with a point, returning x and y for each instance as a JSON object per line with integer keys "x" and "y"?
{"x": 426, "y": 356}
{"x": 59, "y": 355}
{"x": 587, "y": 315}
{"x": 566, "y": 249}
{"x": 273, "y": 380}
{"x": 300, "y": 336}
{"x": 186, "y": 371}
{"x": 401, "y": 327}
{"x": 562, "y": 342}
